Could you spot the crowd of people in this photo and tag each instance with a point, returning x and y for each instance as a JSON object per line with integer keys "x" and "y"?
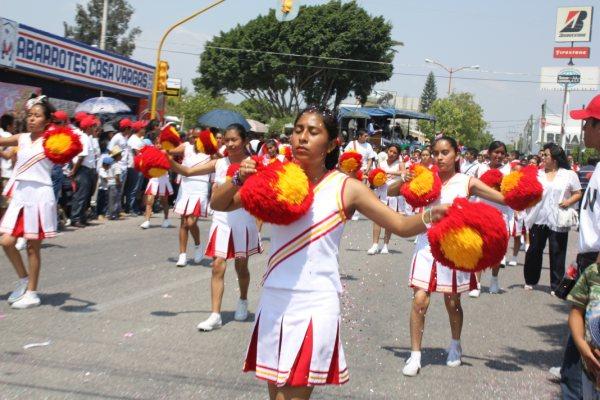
{"x": 296, "y": 343}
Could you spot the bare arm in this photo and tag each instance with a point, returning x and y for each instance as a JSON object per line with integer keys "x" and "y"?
{"x": 7, "y": 154}
{"x": 225, "y": 197}
{"x": 357, "y": 197}
{"x": 577, "y": 326}
{"x": 10, "y": 141}
{"x": 177, "y": 151}
{"x": 480, "y": 189}
{"x": 575, "y": 197}
{"x": 203, "y": 169}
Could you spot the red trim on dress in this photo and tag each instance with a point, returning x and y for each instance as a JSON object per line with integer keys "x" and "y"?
{"x": 211, "y": 247}
{"x": 433, "y": 278}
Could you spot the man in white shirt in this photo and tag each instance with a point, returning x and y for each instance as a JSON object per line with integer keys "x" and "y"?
{"x": 589, "y": 244}
{"x": 84, "y": 167}
{"x": 134, "y": 178}
{"x": 470, "y": 165}
{"x": 365, "y": 149}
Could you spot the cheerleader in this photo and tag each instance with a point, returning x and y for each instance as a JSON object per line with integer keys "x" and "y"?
{"x": 394, "y": 168}
{"x": 32, "y": 211}
{"x": 162, "y": 188}
{"x": 496, "y": 153}
{"x": 192, "y": 199}
{"x": 271, "y": 153}
{"x": 517, "y": 228}
{"x": 233, "y": 235}
{"x": 296, "y": 342}
{"x": 427, "y": 275}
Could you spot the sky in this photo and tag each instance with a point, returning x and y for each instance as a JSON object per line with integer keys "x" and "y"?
{"x": 509, "y": 39}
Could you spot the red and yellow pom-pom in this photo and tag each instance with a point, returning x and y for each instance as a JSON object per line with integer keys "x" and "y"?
{"x": 492, "y": 178}
{"x": 350, "y": 162}
{"x": 286, "y": 151}
{"x": 359, "y": 175}
{"x": 169, "y": 137}
{"x": 61, "y": 144}
{"x": 279, "y": 193}
{"x": 206, "y": 142}
{"x": 377, "y": 177}
{"x": 522, "y": 189}
{"x": 232, "y": 169}
{"x": 423, "y": 189}
{"x": 468, "y": 238}
{"x": 151, "y": 162}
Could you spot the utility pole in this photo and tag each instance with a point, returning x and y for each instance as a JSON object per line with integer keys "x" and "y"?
{"x": 103, "y": 28}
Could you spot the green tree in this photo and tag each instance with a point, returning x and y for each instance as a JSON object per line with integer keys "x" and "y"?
{"x": 88, "y": 22}
{"x": 336, "y": 30}
{"x": 459, "y": 116}
{"x": 256, "y": 109}
{"x": 429, "y": 94}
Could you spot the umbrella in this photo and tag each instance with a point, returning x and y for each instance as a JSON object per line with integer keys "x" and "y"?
{"x": 221, "y": 119}
{"x": 103, "y": 105}
{"x": 257, "y": 127}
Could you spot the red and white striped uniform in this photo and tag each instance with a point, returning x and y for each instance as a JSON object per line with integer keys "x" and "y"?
{"x": 192, "y": 197}
{"x": 296, "y": 338}
{"x": 160, "y": 186}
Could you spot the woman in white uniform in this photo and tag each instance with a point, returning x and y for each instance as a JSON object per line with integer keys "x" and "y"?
{"x": 192, "y": 199}
{"x": 233, "y": 235}
{"x": 428, "y": 275}
{"x": 296, "y": 343}
{"x": 394, "y": 169}
{"x": 32, "y": 210}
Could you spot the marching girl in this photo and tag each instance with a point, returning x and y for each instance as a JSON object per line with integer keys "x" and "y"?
{"x": 394, "y": 169}
{"x": 31, "y": 213}
{"x": 427, "y": 275}
{"x": 162, "y": 188}
{"x": 496, "y": 154}
{"x": 296, "y": 341}
{"x": 272, "y": 153}
{"x": 233, "y": 235}
{"x": 517, "y": 228}
{"x": 192, "y": 199}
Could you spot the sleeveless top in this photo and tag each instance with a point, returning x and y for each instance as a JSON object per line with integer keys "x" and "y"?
{"x": 32, "y": 164}
{"x": 394, "y": 167}
{"x": 455, "y": 187}
{"x": 304, "y": 255}
{"x": 192, "y": 159}
{"x": 230, "y": 218}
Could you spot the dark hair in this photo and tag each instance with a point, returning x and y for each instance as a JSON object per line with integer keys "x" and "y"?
{"x": 271, "y": 142}
{"x": 472, "y": 151}
{"x": 558, "y": 154}
{"x": 6, "y": 120}
{"x": 331, "y": 126}
{"x": 496, "y": 144}
{"x": 397, "y": 147}
{"x": 47, "y": 107}
{"x": 240, "y": 130}
{"x": 453, "y": 143}
{"x": 152, "y": 125}
{"x": 534, "y": 157}
{"x": 516, "y": 154}
{"x": 594, "y": 121}
{"x": 360, "y": 133}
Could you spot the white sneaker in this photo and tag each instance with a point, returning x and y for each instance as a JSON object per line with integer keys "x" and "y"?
{"x": 29, "y": 299}
{"x": 494, "y": 285}
{"x": 373, "y": 250}
{"x": 21, "y": 244}
{"x": 182, "y": 260}
{"x": 20, "y": 289}
{"x": 166, "y": 224}
{"x": 454, "y": 356}
{"x": 512, "y": 263}
{"x": 145, "y": 225}
{"x": 412, "y": 367}
{"x": 198, "y": 254}
{"x": 384, "y": 250}
{"x": 212, "y": 322}
{"x": 475, "y": 293}
{"x": 528, "y": 287}
{"x": 241, "y": 312}
{"x": 555, "y": 372}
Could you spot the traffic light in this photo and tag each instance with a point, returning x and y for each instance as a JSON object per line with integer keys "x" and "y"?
{"x": 286, "y": 6}
{"x": 162, "y": 76}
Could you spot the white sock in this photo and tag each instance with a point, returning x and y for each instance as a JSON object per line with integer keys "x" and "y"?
{"x": 454, "y": 344}
{"x": 415, "y": 356}
{"x": 24, "y": 280}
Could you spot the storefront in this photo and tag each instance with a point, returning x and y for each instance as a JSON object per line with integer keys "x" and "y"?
{"x": 67, "y": 71}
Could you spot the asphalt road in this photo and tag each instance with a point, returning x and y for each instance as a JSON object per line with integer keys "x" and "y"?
{"x": 121, "y": 321}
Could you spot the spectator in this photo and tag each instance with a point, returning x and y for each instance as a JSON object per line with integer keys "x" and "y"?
{"x": 365, "y": 149}
{"x": 83, "y": 172}
{"x": 103, "y": 176}
{"x": 120, "y": 139}
{"x": 470, "y": 164}
{"x": 561, "y": 189}
{"x": 134, "y": 178}
{"x": 114, "y": 184}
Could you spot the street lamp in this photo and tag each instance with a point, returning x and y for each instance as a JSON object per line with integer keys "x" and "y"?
{"x": 450, "y": 70}
{"x": 162, "y": 41}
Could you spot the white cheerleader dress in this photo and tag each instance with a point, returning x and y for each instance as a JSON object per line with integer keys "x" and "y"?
{"x": 160, "y": 186}
{"x": 296, "y": 338}
{"x": 428, "y": 274}
{"x": 507, "y": 212}
{"x": 32, "y": 210}
{"x": 233, "y": 234}
{"x": 396, "y": 203}
{"x": 193, "y": 194}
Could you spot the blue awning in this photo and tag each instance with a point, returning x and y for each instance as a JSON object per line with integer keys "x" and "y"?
{"x": 389, "y": 112}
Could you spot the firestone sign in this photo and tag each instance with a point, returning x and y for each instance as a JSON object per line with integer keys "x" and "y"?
{"x": 42, "y": 53}
{"x": 573, "y": 24}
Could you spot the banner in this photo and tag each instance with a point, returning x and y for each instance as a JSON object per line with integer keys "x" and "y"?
{"x": 589, "y": 78}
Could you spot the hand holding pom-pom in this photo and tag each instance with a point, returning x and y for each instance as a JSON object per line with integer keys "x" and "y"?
{"x": 522, "y": 189}
{"x": 169, "y": 137}
{"x": 377, "y": 177}
{"x": 61, "y": 144}
{"x": 492, "y": 178}
{"x": 151, "y": 162}
{"x": 468, "y": 238}
{"x": 423, "y": 189}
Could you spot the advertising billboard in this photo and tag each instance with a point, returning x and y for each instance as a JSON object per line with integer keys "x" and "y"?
{"x": 577, "y": 78}
{"x": 573, "y": 24}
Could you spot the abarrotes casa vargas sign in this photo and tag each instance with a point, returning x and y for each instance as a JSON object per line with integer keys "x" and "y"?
{"x": 41, "y": 53}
